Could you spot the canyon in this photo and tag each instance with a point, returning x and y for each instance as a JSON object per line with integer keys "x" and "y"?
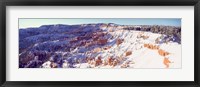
{"x": 100, "y": 45}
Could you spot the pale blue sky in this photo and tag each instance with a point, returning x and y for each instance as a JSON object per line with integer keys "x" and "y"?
{"x": 29, "y": 22}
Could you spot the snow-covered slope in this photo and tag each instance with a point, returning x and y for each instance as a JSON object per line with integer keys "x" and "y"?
{"x": 99, "y": 46}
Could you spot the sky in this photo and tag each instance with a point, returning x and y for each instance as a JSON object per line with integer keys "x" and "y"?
{"x": 37, "y": 22}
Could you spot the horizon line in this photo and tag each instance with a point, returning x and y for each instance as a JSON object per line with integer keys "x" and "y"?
{"x": 100, "y": 23}
{"x": 27, "y": 22}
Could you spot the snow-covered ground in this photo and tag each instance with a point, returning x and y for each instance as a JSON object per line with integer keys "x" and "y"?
{"x": 141, "y": 57}
{"x": 111, "y": 47}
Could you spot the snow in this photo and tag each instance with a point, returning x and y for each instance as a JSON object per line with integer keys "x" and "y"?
{"x": 46, "y": 64}
{"x": 141, "y": 57}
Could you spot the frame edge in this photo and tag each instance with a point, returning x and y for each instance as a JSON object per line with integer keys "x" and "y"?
{"x": 197, "y": 41}
{"x": 2, "y": 44}
{"x": 3, "y": 81}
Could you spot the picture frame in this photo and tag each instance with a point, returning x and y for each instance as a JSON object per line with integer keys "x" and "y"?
{"x": 3, "y": 73}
